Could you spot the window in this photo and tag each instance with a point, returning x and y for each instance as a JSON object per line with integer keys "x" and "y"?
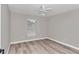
{"x": 30, "y": 27}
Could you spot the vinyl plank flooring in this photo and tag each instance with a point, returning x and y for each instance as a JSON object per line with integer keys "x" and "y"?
{"x": 47, "y": 48}
{"x": 64, "y": 48}
{"x": 57, "y": 47}
{"x": 44, "y": 46}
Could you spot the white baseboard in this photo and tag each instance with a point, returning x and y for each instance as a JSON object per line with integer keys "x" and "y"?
{"x": 65, "y": 44}
{"x": 28, "y": 40}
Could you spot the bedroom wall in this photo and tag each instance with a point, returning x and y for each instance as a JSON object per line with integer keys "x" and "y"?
{"x": 5, "y": 27}
{"x": 65, "y": 27}
{"x": 18, "y": 27}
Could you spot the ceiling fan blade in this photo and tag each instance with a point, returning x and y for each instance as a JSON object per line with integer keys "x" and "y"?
{"x": 43, "y": 10}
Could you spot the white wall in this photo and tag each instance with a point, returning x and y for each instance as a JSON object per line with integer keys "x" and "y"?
{"x": 65, "y": 27}
{"x": 0, "y": 25}
{"x": 18, "y": 27}
{"x": 5, "y": 27}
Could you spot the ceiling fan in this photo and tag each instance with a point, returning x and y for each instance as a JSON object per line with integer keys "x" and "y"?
{"x": 43, "y": 10}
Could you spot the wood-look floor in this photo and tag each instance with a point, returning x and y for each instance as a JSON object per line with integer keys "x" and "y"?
{"x": 45, "y": 46}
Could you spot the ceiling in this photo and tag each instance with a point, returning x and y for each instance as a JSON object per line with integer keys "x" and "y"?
{"x": 31, "y": 9}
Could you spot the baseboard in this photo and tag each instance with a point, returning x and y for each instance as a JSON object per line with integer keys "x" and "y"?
{"x": 65, "y": 44}
{"x": 28, "y": 40}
